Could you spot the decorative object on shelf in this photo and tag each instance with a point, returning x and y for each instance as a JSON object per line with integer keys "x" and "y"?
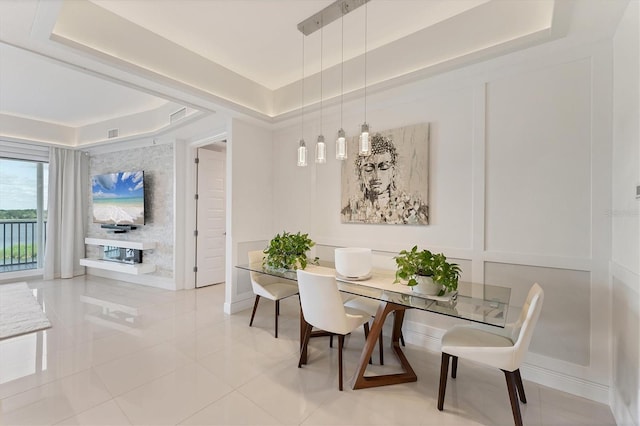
{"x": 353, "y": 263}
{"x": 390, "y": 186}
{"x": 121, "y": 254}
{"x": 425, "y": 268}
{"x": 288, "y": 251}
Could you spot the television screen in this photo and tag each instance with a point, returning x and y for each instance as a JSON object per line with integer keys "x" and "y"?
{"x": 118, "y": 198}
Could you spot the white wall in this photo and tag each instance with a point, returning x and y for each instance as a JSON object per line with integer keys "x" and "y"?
{"x": 625, "y": 213}
{"x": 249, "y": 205}
{"x": 157, "y": 162}
{"x": 520, "y": 179}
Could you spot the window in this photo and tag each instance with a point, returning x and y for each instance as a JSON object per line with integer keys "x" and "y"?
{"x": 23, "y": 215}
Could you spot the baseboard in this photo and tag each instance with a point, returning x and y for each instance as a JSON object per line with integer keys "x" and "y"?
{"x": 566, "y": 383}
{"x": 621, "y": 412}
{"x": 25, "y": 275}
{"x": 147, "y": 280}
{"x": 627, "y": 281}
{"x": 429, "y": 337}
{"x": 237, "y": 306}
{"x": 627, "y": 277}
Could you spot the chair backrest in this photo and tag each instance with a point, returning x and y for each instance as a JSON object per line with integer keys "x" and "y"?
{"x": 322, "y": 305}
{"x": 523, "y": 329}
{"x": 258, "y": 279}
{"x": 256, "y": 256}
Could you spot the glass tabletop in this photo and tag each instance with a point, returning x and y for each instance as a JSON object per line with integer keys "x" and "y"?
{"x": 482, "y": 303}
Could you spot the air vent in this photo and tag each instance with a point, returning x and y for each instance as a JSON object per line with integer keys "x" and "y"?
{"x": 113, "y": 133}
{"x": 178, "y": 115}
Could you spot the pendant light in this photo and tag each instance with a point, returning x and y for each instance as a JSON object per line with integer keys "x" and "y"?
{"x": 321, "y": 147}
{"x": 302, "y": 147}
{"x": 302, "y": 154}
{"x": 364, "y": 147}
{"x": 315, "y": 22}
{"x": 341, "y": 142}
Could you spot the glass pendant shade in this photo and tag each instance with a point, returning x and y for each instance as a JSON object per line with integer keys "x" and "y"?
{"x": 341, "y": 146}
{"x": 302, "y": 154}
{"x": 321, "y": 150}
{"x": 364, "y": 147}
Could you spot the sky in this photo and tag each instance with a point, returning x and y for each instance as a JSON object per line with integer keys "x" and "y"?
{"x": 18, "y": 184}
{"x": 118, "y": 185}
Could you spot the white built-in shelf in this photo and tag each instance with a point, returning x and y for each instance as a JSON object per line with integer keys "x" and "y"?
{"x": 137, "y": 245}
{"x": 127, "y": 268}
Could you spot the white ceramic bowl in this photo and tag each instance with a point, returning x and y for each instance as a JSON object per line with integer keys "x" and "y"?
{"x": 352, "y": 262}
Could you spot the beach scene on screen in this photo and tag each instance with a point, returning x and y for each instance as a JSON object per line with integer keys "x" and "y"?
{"x": 118, "y": 198}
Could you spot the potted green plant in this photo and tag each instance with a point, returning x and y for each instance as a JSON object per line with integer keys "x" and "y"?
{"x": 424, "y": 268}
{"x": 288, "y": 251}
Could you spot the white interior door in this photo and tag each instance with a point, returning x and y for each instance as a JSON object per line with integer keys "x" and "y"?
{"x": 210, "y": 223}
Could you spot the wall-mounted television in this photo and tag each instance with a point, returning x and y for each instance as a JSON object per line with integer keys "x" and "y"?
{"x": 118, "y": 198}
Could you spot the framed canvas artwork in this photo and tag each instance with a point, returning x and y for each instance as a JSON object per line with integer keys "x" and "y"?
{"x": 389, "y": 186}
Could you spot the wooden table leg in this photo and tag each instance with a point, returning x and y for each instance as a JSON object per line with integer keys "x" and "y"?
{"x": 303, "y": 349}
{"x": 408, "y": 375}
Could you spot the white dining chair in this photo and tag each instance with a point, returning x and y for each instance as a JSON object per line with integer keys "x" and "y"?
{"x": 501, "y": 348}
{"x": 269, "y": 287}
{"x": 323, "y": 308}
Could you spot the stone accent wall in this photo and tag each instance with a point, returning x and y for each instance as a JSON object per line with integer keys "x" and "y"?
{"x": 157, "y": 164}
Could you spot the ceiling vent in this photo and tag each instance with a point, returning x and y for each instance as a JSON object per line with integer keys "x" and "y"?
{"x": 178, "y": 115}
{"x": 113, "y": 133}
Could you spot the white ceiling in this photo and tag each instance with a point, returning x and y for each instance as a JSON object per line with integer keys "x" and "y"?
{"x": 260, "y": 39}
{"x": 39, "y": 88}
{"x": 77, "y": 62}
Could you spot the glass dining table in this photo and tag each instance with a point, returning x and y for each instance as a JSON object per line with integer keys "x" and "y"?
{"x": 480, "y": 303}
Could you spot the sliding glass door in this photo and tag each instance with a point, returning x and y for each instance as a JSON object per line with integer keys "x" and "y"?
{"x": 23, "y": 201}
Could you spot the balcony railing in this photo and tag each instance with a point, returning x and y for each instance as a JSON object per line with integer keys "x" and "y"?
{"x": 19, "y": 244}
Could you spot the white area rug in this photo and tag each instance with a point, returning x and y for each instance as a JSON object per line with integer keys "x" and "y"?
{"x": 20, "y": 312}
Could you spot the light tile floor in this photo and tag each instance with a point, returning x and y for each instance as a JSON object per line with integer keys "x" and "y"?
{"x": 122, "y": 354}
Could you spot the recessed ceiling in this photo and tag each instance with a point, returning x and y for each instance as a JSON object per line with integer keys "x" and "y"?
{"x": 41, "y": 89}
{"x": 79, "y": 62}
{"x": 249, "y": 53}
{"x": 260, "y": 39}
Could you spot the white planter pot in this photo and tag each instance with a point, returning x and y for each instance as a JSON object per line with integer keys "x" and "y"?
{"x": 425, "y": 286}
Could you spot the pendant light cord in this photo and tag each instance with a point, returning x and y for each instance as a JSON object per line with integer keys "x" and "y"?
{"x": 341, "y": 67}
{"x": 321, "y": 45}
{"x": 365, "y": 62}
{"x": 302, "y": 103}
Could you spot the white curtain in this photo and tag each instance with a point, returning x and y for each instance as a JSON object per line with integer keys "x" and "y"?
{"x": 67, "y": 213}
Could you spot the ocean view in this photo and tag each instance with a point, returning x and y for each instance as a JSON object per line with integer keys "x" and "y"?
{"x": 14, "y": 233}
